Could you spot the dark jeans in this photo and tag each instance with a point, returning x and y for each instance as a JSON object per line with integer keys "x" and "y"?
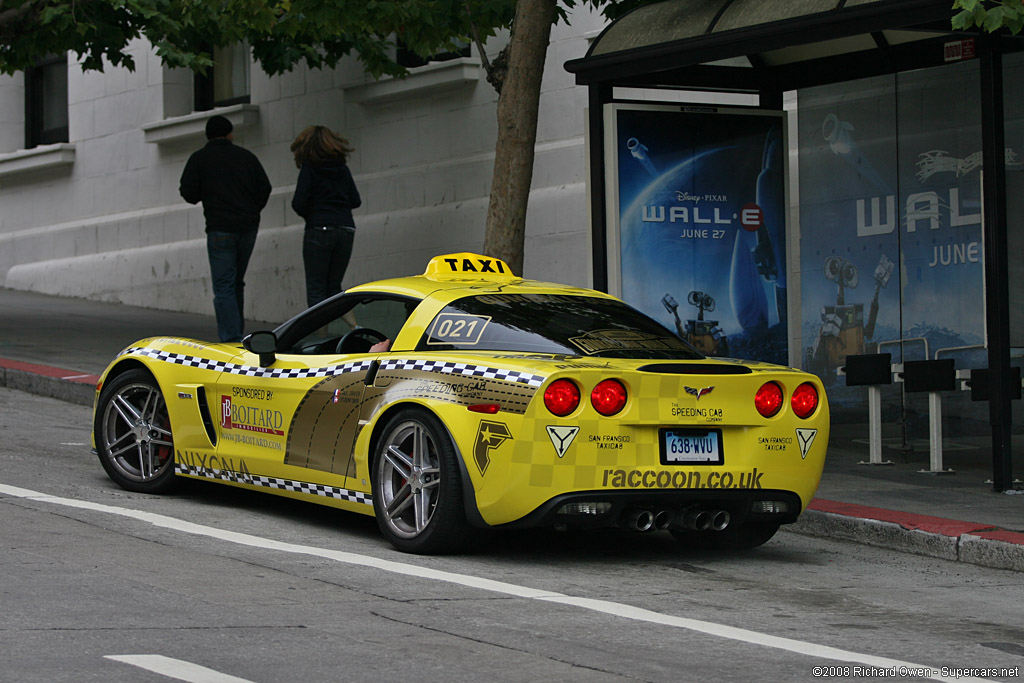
{"x": 325, "y": 253}
{"x": 229, "y": 257}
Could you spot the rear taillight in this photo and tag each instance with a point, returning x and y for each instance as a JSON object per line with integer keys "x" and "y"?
{"x": 562, "y": 397}
{"x": 805, "y": 400}
{"x": 608, "y": 397}
{"x": 768, "y": 399}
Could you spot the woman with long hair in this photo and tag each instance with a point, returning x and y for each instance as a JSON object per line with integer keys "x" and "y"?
{"x": 325, "y": 195}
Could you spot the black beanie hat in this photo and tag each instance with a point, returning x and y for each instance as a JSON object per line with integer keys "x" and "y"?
{"x": 218, "y": 127}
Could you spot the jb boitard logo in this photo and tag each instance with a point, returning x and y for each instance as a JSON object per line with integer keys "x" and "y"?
{"x": 250, "y": 418}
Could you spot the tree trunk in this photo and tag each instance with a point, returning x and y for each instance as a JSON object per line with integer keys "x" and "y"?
{"x": 518, "y": 105}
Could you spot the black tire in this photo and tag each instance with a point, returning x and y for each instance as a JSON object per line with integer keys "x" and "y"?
{"x": 734, "y": 537}
{"x": 417, "y": 489}
{"x": 133, "y": 433}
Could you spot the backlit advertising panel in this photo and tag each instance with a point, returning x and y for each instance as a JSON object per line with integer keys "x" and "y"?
{"x": 697, "y": 227}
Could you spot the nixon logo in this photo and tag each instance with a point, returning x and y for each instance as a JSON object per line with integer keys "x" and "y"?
{"x": 490, "y": 436}
{"x": 562, "y": 438}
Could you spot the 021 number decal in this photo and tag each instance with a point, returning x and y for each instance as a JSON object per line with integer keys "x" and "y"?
{"x": 457, "y": 328}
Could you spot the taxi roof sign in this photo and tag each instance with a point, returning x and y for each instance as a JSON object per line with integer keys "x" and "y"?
{"x": 468, "y": 266}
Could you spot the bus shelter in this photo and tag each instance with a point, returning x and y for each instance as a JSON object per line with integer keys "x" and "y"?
{"x": 893, "y": 234}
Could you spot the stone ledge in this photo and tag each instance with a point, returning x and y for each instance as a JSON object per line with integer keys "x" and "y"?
{"x": 37, "y": 158}
{"x": 192, "y": 127}
{"x": 434, "y": 77}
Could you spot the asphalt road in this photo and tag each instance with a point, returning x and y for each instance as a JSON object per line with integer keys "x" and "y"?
{"x": 217, "y": 584}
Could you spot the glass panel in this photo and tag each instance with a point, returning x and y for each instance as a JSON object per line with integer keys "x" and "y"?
{"x": 55, "y": 96}
{"x": 230, "y": 73}
{"x": 849, "y": 241}
{"x": 940, "y": 199}
{"x": 891, "y": 238}
{"x": 1013, "y": 93}
{"x": 545, "y": 323}
{"x": 320, "y": 331}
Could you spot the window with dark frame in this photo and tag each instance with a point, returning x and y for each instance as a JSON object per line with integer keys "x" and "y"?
{"x": 410, "y": 60}
{"x": 227, "y": 81}
{"x": 46, "y": 102}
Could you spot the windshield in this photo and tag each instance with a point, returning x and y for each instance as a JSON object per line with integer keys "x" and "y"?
{"x": 550, "y": 323}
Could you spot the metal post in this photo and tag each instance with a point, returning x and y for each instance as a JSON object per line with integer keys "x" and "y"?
{"x": 997, "y": 308}
{"x": 935, "y": 434}
{"x": 599, "y": 95}
{"x": 875, "y": 427}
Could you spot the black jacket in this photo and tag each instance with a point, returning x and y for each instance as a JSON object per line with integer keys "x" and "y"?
{"x": 231, "y": 184}
{"x": 325, "y": 194}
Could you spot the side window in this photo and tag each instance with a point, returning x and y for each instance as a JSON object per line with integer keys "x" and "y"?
{"x": 227, "y": 81}
{"x": 321, "y": 332}
{"x": 384, "y": 315}
{"x": 46, "y": 102}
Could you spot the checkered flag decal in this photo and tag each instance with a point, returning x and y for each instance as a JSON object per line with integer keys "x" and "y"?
{"x": 248, "y": 370}
{"x": 465, "y": 369}
{"x": 276, "y": 483}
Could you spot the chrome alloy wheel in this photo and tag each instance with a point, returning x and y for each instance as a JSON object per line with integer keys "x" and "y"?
{"x": 134, "y": 434}
{"x": 409, "y": 476}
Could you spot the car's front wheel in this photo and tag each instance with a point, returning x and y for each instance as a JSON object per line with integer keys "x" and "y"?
{"x": 417, "y": 493}
{"x": 133, "y": 433}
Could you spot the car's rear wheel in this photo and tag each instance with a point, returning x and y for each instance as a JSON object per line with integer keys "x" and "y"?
{"x": 417, "y": 493}
{"x": 133, "y": 433}
{"x": 734, "y": 537}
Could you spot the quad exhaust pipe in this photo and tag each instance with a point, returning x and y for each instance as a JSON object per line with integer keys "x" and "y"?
{"x": 690, "y": 519}
{"x": 639, "y": 519}
{"x": 697, "y": 519}
{"x": 720, "y": 519}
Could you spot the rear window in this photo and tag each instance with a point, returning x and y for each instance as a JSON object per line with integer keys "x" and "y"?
{"x": 547, "y": 323}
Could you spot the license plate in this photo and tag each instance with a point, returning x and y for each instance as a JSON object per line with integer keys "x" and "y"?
{"x": 691, "y": 447}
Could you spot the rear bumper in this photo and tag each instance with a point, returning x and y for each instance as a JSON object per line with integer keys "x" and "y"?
{"x": 739, "y": 504}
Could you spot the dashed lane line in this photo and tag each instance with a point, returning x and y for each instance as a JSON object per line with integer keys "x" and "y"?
{"x": 177, "y": 669}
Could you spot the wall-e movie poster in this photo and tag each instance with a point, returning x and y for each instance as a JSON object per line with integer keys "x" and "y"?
{"x": 698, "y": 198}
{"x": 890, "y": 222}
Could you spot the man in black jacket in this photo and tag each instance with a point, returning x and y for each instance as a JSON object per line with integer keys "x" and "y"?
{"x": 234, "y": 188}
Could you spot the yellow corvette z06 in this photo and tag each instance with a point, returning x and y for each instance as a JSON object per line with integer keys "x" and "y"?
{"x": 470, "y": 398}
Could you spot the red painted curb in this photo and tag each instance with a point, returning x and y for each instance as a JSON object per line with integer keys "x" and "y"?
{"x": 907, "y": 520}
{"x": 49, "y": 371}
{"x": 1014, "y": 537}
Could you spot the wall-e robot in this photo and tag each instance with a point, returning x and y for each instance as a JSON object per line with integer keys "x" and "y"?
{"x": 843, "y": 329}
{"x": 705, "y": 335}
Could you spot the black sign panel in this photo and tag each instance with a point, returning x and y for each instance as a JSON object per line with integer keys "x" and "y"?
{"x": 929, "y": 375}
{"x": 871, "y": 368}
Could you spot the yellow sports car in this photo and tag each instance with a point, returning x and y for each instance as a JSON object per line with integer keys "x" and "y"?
{"x": 470, "y": 398}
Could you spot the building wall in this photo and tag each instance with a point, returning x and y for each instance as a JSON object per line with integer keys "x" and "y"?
{"x": 101, "y": 218}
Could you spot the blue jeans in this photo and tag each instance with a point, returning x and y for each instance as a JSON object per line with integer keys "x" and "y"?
{"x": 229, "y": 257}
{"x": 325, "y": 254}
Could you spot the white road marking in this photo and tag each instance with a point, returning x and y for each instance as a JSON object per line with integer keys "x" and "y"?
{"x": 500, "y": 587}
{"x": 176, "y": 668}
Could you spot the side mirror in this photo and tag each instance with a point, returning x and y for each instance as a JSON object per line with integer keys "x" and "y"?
{"x": 264, "y": 344}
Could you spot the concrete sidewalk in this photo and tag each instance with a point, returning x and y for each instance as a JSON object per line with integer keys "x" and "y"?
{"x": 57, "y": 347}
